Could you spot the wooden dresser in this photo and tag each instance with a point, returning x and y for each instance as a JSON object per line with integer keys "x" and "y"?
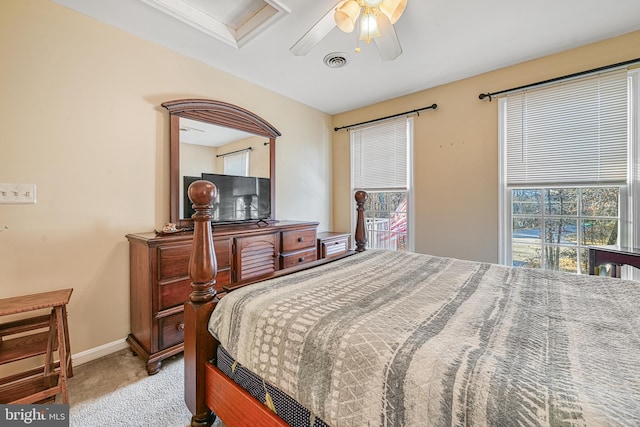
{"x": 160, "y": 283}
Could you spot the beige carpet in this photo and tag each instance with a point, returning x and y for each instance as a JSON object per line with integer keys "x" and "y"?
{"x": 116, "y": 391}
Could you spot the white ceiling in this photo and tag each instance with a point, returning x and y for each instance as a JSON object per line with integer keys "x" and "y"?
{"x": 442, "y": 41}
{"x": 202, "y": 133}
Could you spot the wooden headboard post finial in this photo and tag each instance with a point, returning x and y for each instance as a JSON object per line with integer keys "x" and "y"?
{"x": 202, "y": 300}
{"x": 361, "y": 235}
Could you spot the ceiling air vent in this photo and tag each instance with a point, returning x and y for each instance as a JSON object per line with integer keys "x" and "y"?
{"x": 336, "y": 60}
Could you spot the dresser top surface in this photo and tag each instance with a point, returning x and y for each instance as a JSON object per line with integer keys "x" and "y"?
{"x": 224, "y": 231}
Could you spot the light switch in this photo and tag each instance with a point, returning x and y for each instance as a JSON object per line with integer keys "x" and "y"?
{"x": 17, "y": 193}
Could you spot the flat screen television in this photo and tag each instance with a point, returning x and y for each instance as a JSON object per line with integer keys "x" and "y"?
{"x": 239, "y": 199}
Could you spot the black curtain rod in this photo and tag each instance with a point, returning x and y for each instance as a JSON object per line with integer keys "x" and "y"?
{"x": 568, "y": 76}
{"x": 416, "y": 111}
{"x": 234, "y": 152}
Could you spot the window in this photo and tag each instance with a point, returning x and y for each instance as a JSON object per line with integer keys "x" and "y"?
{"x": 237, "y": 163}
{"x": 381, "y": 166}
{"x": 567, "y": 179}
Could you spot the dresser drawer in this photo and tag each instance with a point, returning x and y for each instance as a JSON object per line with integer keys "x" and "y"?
{"x": 223, "y": 252}
{"x": 298, "y": 239}
{"x": 332, "y": 244}
{"x": 177, "y": 292}
{"x": 223, "y": 278}
{"x": 255, "y": 256}
{"x": 174, "y": 284}
{"x": 173, "y": 293}
{"x": 298, "y": 258}
{"x": 171, "y": 330}
{"x": 173, "y": 261}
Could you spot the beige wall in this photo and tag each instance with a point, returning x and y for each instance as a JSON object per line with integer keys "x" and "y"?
{"x": 81, "y": 118}
{"x": 195, "y": 159}
{"x": 456, "y": 150}
{"x": 258, "y": 156}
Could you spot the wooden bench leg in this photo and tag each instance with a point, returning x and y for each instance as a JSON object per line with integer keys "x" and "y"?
{"x": 49, "y": 366}
{"x": 62, "y": 353}
{"x": 67, "y": 343}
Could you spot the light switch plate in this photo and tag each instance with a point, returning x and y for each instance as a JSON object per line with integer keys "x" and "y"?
{"x": 17, "y": 193}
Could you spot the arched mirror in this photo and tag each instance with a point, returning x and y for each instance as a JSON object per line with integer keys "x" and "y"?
{"x": 219, "y": 141}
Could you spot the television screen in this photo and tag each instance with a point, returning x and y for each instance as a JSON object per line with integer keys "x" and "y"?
{"x": 240, "y": 198}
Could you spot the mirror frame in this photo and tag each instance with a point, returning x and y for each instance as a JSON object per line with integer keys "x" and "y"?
{"x": 221, "y": 114}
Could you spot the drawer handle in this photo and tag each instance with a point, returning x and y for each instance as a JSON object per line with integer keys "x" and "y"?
{"x": 180, "y": 327}
{"x": 300, "y": 239}
{"x": 301, "y": 259}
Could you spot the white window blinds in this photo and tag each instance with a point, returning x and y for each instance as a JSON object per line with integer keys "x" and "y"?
{"x": 569, "y": 133}
{"x": 237, "y": 164}
{"x": 380, "y": 156}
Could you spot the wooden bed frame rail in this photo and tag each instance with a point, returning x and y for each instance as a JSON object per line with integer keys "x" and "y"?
{"x": 207, "y": 389}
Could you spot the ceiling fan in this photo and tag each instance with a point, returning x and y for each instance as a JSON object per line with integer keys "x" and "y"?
{"x": 376, "y": 19}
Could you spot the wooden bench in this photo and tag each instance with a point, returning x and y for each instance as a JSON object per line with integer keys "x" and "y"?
{"x": 33, "y": 336}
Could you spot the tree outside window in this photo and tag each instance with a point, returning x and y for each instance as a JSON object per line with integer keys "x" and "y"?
{"x": 552, "y": 227}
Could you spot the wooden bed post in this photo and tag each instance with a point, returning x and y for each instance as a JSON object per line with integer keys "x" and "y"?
{"x": 199, "y": 344}
{"x": 361, "y": 234}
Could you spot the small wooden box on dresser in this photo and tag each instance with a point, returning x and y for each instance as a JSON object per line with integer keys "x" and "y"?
{"x": 160, "y": 283}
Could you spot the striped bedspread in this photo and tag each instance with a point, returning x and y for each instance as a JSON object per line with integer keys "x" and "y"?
{"x": 386, "y": 338}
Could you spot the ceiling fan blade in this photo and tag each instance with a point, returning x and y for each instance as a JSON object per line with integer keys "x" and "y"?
{"x": 316, "y": 33}
{"x": 387, "y": 43}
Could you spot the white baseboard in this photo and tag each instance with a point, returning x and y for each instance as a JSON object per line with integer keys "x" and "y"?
{"x": 98, "y": 352}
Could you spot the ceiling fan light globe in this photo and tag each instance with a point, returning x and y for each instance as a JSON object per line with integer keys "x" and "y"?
{"x": 372, "y": 3}
{"x": 346, "y": 15}
{"x": 369, "y": 27}
{"x": 393, "y": 9}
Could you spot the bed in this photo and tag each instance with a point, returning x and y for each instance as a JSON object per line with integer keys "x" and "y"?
{"x": 401, "y": 339}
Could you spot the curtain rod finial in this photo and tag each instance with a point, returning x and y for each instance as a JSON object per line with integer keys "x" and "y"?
{"x": 485, "y": 95}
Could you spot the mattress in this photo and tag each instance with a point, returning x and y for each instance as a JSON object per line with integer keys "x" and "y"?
{"x": 282, "y": 404}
